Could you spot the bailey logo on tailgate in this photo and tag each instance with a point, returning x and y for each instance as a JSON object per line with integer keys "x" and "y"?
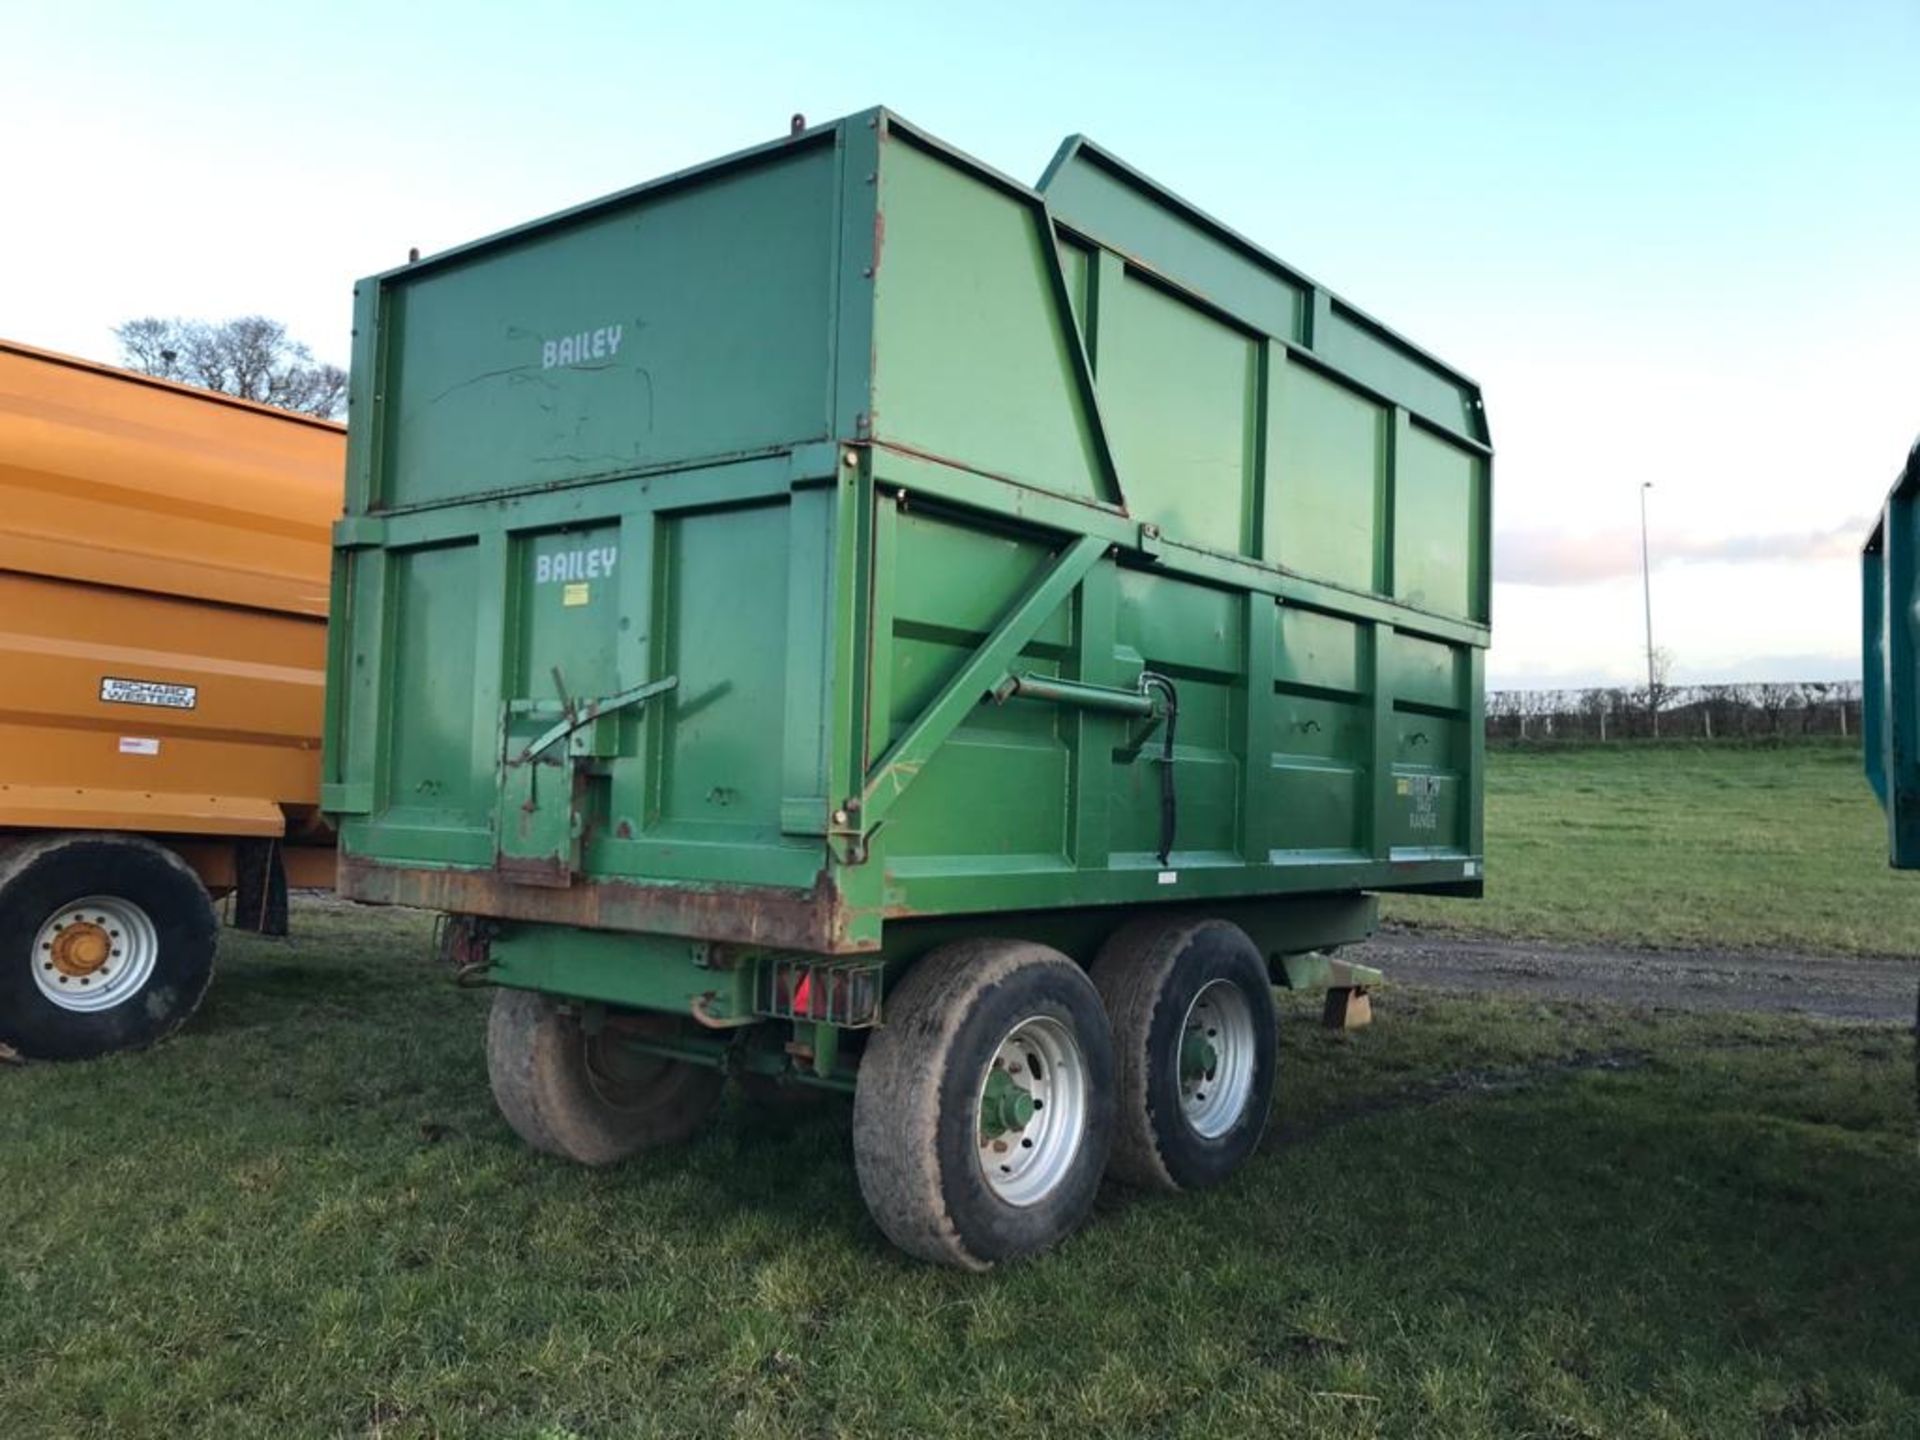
{"x": 601, "y": 344}
{"x": 594, "y": 563}
{"x": 148, "y": 692}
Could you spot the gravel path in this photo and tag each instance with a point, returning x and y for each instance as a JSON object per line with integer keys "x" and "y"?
{"x": 1835, "y": 987}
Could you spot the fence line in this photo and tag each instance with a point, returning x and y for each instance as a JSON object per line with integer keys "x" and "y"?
{"x": 1761, "y": 710}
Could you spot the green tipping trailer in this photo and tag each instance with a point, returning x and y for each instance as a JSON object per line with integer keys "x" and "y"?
{"x": 1890, "y": 664}
{"x": 839, "y": 616}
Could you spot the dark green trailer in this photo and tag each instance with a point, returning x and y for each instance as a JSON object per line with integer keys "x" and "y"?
{"x": 839, "y": 616}
{"x": 1890, "y": 664}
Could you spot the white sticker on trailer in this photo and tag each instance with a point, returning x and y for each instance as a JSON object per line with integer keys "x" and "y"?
{"x": 116, "y": 691}
{"x": 138, "y": 745}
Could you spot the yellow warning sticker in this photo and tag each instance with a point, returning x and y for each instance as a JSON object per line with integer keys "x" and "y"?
{"x": 574, "y": 594}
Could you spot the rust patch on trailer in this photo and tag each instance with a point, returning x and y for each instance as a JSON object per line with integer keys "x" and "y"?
{"x": 813, "y": 920}
{"x": 553, "y": 872}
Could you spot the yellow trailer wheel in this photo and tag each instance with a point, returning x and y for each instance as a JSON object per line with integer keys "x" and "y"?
{"x": 106, "y": 943}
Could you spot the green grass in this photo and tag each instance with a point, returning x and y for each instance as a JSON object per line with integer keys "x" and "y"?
{"x": 1701, "y": 846}
{"x": 1476, "y": 1219}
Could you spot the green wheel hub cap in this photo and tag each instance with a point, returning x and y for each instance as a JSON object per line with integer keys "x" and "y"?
{"x": 1198, "y": 1058}
{"x": 1004, "y": 1106}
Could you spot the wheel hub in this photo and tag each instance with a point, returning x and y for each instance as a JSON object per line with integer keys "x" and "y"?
{"x": 95, "y": 953}
{"x": 1198, "y": 1058}
{"x": 1033, "y": 1111}
{"x": 1004, "y": 1106}
{"x": 80, "y": 949}
{"x": 1217, "y": 1060}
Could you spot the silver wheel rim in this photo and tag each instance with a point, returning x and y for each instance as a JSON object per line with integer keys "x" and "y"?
{"x": 1025, "y": 1163}
{"x": 1217, "y": 1059}
{"x": 95, "y": 953}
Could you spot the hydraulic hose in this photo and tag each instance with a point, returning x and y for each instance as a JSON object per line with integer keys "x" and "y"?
{"x": 1169, "y": 800}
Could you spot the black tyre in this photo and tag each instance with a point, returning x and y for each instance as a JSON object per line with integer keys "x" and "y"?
{"x": 983, "y": 1113}
{"x": 591, "y": 1098}
{"x": 1194, "y": 1038}
{"x": 106, "y": 944}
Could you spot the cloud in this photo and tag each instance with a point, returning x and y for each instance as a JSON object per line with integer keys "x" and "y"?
{"x": 1555, "y": 557}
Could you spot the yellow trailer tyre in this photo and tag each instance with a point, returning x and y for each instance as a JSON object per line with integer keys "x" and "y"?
{"x": 106, "y": 943}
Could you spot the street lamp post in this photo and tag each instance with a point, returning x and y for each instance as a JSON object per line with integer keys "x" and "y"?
{"x": 1646, "y": 586}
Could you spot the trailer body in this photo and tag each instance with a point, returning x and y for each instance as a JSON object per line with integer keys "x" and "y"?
{"x": 163, "y": 564}
{"x": 760, "y": 578}
{"x": 815, "y": 448}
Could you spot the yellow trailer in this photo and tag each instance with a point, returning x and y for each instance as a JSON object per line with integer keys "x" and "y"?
{"x": 163, "y": 609}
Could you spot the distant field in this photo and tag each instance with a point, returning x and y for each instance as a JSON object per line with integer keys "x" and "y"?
{"x": 1477, "y": 1219}
{"x": 1716, "y": 846}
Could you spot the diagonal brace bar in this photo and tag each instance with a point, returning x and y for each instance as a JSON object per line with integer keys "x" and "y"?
{"x": 983, "y": 672}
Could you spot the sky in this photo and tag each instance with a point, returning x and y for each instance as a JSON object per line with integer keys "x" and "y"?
{"x": 1675, "y": 242}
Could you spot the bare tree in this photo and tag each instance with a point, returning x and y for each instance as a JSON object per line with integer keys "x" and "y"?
{"x": 251, "y": 357}
{"x": 1658, "y": 691}
{"x": 1596, "y": 705}
{"x": 1775, "y": 699}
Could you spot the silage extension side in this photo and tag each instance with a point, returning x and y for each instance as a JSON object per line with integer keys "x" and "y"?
{"x": 789, "y": 608}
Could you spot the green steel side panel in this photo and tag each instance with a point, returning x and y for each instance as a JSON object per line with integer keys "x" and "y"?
{"x": 1278, "y": 774}
{"x": 1321, "y": 734}
{"x": 1179, "y": 390}
{"x": 995, "y": 787}
{"x": 977, "y": 361}
{"x": 1194, "y": 635}
{"x": 431, "y": 778}
{"x": 1328, "y": 476}
{"x": 617, "y": 341}
{"x": 720, "y": 740}
{"x": 1437, "y": 524}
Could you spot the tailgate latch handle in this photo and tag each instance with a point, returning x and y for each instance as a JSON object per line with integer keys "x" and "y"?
{"x": 586, "y": 712}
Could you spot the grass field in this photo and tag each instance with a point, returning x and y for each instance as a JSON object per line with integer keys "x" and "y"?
{"x": 1476, "y": 1219}
{"x": 1690, "y": 845}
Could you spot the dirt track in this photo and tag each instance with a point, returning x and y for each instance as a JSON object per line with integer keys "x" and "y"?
{"x": 1835, "y": 987}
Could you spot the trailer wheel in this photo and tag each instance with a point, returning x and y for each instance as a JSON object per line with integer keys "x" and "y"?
{"x": 983, "y": 1111}
{"x": 589, "y": 1097}
{"x": 106, "y": 943}
{"x": 1194, "y": 1039}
